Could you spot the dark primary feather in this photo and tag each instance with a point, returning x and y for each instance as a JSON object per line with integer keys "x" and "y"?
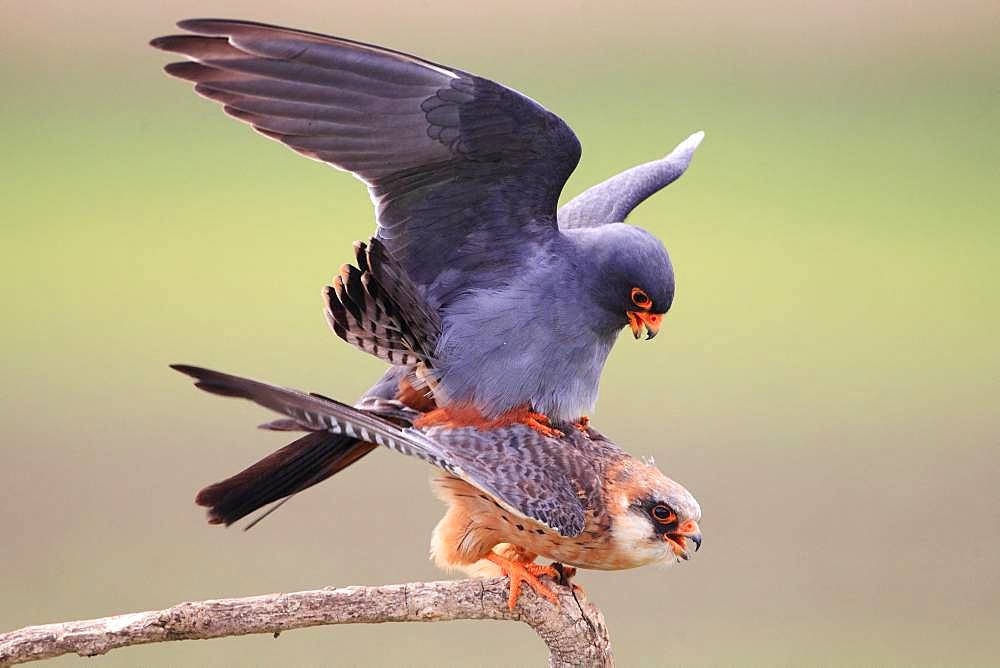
{"x": 548, "y": 480}
{"x": 612, "y": 200}
{"x": 463, "y": 171}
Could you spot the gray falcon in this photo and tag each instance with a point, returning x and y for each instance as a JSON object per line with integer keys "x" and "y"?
{"x": 465, "y": 175}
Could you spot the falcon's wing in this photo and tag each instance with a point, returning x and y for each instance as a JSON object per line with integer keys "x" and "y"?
{"x": 461, "y": 169}
{"x": 528, "y": 474}
{"x": 613, "y": 200}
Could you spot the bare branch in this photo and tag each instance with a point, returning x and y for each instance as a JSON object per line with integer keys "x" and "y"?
{"x": 574, "y": 632}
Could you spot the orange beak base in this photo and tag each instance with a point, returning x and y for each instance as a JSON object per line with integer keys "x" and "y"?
{"x": 678, "y": 539}
{"x": 638, "y": 319}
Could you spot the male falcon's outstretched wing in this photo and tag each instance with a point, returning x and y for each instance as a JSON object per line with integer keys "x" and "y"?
{"x": 463, "y": 171}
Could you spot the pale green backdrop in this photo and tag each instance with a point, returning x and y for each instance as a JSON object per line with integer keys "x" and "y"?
{"x": 826, "y": 383}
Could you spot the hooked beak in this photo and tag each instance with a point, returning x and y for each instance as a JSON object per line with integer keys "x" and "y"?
{"x": 638, "y": 319}
{"x": 678, "y": 539}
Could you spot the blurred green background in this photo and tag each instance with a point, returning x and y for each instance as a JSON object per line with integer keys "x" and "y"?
{"x": 826, "y": 384}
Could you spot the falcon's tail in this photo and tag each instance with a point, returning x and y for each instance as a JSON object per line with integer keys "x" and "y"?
{"x": 377, "y": 308}
{"x": 299, "y": 465}
{"x": 338, "y": 436}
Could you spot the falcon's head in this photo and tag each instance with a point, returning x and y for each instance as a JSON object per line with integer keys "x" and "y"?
{"x": 653, "y": 518}
{"x": 634, "y": 281}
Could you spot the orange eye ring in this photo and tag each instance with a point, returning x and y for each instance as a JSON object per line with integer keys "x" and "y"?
{"x": 641, "y": 299}
{"x": 663, "y": 514}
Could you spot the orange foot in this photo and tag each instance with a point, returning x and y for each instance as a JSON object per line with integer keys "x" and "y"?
{"x": 540, "y": 423}
{"x": 467, "y": 416}
{"x": 519, "y": 572}
{"x": 583, "y": 424}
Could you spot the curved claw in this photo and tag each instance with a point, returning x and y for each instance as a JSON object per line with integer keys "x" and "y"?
{"x": 540, "y": 569}
{"x": 540, "y": 423}
{"x": 566, "y": 575}
{"x": 519, "y": 573}
{"x": 466, "y": 416}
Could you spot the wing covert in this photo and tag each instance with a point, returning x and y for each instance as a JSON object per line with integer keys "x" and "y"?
{"x": 532, "y": 475}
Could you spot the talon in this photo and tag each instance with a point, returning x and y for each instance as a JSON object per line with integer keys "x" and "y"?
{"x": 541, "y": 569}
{"x": 541, "y": 426}
{"x": 566, "y": 575}
{"x": 519, "y": 573}
{"x": 541, "y": 423}
{"x": 583, "y": 425}
{"x": 467, "y": 416}
{"x": 538, "y": 417}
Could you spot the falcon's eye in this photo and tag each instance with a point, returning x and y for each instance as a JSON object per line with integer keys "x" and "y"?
{"x": 663, "y": 514}
{"x": 640, "y": 298}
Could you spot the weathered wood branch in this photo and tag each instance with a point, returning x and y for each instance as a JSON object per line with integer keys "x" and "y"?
{"x": 574, "y": 631}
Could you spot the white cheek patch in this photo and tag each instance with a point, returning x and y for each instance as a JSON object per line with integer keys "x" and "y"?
{"x": 632, "y": 535}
